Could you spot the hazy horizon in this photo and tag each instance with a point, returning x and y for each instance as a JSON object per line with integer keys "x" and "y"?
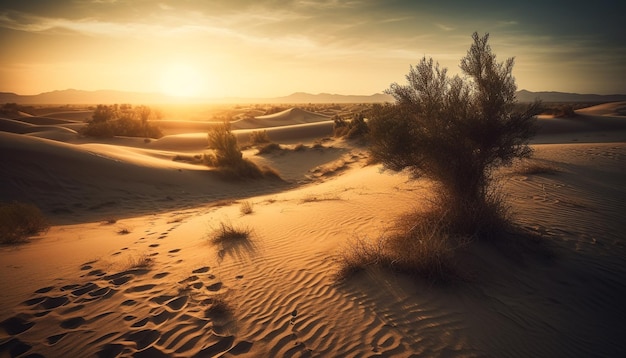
{"x": 261, "y": 49}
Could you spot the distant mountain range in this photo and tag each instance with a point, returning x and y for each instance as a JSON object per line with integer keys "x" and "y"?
{"x": 72, "y": 96}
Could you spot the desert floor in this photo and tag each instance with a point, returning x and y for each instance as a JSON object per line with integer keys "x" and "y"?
{"x": 128, "y": 267}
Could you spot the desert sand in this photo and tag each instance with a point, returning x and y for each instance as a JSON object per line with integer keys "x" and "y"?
{"x": 80, "y": 289}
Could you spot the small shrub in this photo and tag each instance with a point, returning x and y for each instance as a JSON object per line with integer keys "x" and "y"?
{"x": 219, "y": 308}
{"x": 421, "y": 244}
{"x": 269, "y": 148}
{"x": 18, "y": 221}
{"x": 228, "y": 159}
{"x": 110, "y": 221}
{"x": 259, "y": 137}
{"x": 227, "y": 152}
{"x": 123, "y": 120}
{"x": 353, "y": 129}
{"x": 246, "y": 208}
{"x": 228, "y": 233}
{"x": 123, "y": 231}
{"x": 528, "y": 167}
{"x": 142, "y": 261}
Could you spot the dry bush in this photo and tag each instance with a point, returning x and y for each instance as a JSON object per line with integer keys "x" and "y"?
{"x": 259, "y": 137}
{"x": 227, "y": 232}
{"x": 316, "y": 198}
{"x": 246, "y": 208}
{"x": 228, "y": 159}
{"x": 422, "y": 244}
{"x": 142, "y": 261}
{"x": 359, "y": 254}
{"x": 123, "y": 120}
{"x": 219, "y": 308}
{"x": 533, "y": 167}
{"x": 269, "y": 148}
{"x": 456, "y": 131}
{"x": 18, "y": 221}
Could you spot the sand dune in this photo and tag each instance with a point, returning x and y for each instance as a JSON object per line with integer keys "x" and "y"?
{"x": 287, "y": 117}
{"x": 82, "y": 289}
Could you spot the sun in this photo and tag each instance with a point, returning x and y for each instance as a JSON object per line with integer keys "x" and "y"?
{"x": 182, "y": 80}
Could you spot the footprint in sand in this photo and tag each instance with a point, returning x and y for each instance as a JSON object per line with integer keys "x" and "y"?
{"x": 16, "y": 325}
{"x": 160, "y": 275}
{"x": 45, "y": 289}
{"x": 189, "y": 279}
{"x": 52, "y": 340}
{"x": 174, "y": 251}
{"x": 72, "y": 323}
{"x": 154, "y": 245}
{"x": 201, "y": 270}
{"x": 215, "y": 287}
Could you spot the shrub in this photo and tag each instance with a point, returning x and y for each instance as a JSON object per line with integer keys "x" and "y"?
{"x": 455, "y": 131}
{"x": 142, "y": 261}
{"x": 227, "y": 152}
{"x": 18, "y": 221}
{"x": 228, "y": 159}
{"x": 419, "y": 244}
{"x": 112, "y": 120}
{"x": 259, "y": 137}
{"x": 227, "y": 232}
{"x": 246, "y": 208}
{"x": 356, "y": 128}
{"x": 269, "y": 148}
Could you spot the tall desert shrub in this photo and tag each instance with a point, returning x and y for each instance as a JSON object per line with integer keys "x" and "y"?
{"x": 456, "y": 131}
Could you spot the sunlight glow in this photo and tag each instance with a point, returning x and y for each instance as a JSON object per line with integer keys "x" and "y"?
{"x": 182, "y": 80}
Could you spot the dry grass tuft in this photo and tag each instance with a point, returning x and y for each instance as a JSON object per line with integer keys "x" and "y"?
{"x": 109, "y": 221}
{"x": 534, "y": 167}
{"x": 18, "y": 221}
{"x": 246, "y": 208}
{"x": 227, "y": 232}
{"x": 219, "y": 308}
{"x": 269, "y": 148}
{"x": 142, "y": 261}
{"x": 315, "y": 198}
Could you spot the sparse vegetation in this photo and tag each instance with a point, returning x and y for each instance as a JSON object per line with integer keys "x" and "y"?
{"x": 259, "y": 137}
{"x": 10, "y": 110}
{"x": 534, "y": 167}
{"x": 228, "y": 159}
{"x": 18, "y": 221}
{"x": 269, "y": 148}
{"x": 227, "y": 232}
{"x": 246, "y": 208}
{"x": 418, "y": 244}
{"x": 353, "y": 129}
{"x": 219, "y": 308}
{"x": 142, "y": 261}
{"x": 316, "y": 198}
{"x": 456, "y": 132}
{"x": 122, "y": 120}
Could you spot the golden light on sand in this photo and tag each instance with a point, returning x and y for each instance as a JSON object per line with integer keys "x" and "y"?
{"x": 182, "y": 80}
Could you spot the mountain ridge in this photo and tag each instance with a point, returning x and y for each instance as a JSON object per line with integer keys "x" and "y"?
{"x": 74, "y": 96}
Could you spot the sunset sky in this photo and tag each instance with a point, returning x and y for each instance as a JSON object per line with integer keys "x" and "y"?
{"x": 267, "y": 48}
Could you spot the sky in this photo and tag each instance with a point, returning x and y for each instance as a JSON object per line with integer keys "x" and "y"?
{"x": 268, "y": 48}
